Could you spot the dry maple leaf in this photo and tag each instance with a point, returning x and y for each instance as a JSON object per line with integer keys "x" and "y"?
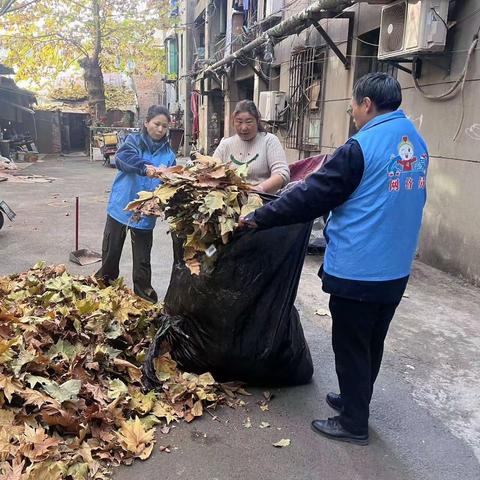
{"x": 36, "y": 445}
{"x": 7, "y": 447}
{"x": 203, "y": 204}
{"x": 83, "y": 343}
{"x": 7, "y": 386}
{"x": 13, "y": 471}
{"x": 135, "y": 439}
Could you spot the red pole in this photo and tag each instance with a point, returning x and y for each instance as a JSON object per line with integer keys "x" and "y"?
{"x": 77, "y": 208}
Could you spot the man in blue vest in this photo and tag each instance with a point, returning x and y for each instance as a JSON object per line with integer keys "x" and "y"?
{"x": 375, "y": 188}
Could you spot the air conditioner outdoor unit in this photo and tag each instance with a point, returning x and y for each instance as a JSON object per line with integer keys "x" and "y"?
{"x": 273, "y": 6}
{"x": 271, "y": 104}
{"x": 411, "y": 27}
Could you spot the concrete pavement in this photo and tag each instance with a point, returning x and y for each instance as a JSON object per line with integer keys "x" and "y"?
{"x": 425, "y": 418}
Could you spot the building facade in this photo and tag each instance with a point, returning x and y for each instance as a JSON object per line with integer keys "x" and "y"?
{"x": 313, "y": 67}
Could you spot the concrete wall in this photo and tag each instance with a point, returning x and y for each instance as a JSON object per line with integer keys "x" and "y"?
{"x": 451, "y": 231}
{"x": 450, "y": 237}
{"x": 186, "y": 51}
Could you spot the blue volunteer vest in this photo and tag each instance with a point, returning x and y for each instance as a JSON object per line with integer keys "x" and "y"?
{"x": 374, "y": 234}
{"x": 126, "y": 186}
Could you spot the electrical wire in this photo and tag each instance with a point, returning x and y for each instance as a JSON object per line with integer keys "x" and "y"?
{"x": 462, "y": 117}
{"x": 467, "y": 17}
{"x": 439, "y": 17}
{"x": 457, "y": 87}
{"x": 460, "y": 82}
{"x": 365, "y": 42}
{"x": 464, "y": 19}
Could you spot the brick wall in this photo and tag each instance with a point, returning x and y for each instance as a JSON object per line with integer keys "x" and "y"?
{"x": 149, "y": 92}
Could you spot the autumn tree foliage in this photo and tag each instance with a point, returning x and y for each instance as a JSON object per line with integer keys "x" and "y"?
{"x": 45, "y": 37}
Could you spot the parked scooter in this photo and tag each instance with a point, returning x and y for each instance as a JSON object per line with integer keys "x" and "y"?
{"x": 109, "y": 147}
{"x": 5, "y": 209}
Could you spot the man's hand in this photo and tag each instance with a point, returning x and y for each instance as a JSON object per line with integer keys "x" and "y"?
{"x": 247, "y": 222}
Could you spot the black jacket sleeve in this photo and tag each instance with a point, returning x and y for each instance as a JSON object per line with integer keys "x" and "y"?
{"x": 320, "y": 193}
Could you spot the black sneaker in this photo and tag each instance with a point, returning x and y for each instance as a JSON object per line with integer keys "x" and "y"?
{"x": 334, "y": 401}
{"x": 332, "y": 429}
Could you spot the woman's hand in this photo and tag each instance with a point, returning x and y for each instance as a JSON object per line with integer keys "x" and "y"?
{"x": 154, "y": 172}
{"x": 272, "y": 184}
{"x": 150, "y": 171}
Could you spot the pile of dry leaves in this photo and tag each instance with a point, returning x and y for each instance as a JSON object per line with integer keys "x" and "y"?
{"x": 71, "y": 398}
{"x": 202, "y": 203}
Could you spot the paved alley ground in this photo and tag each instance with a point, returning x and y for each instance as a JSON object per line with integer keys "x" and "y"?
{"x": 425, "y": 416}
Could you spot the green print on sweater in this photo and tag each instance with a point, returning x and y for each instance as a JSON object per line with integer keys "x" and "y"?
{"x": 238, "y": 162}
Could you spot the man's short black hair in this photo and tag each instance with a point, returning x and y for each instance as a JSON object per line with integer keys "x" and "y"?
{"x": 381, "y": 88}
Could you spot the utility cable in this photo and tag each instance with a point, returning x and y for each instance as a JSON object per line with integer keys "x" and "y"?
{"x": 460, "y": 82}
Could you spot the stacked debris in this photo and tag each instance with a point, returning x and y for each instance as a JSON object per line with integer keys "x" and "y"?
{"x": 72, "y": 402}
{"x": 202, "y": 203}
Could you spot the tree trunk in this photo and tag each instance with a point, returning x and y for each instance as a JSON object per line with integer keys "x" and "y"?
{"x": 93, "y": 77}
{"x": 93, "y": 74}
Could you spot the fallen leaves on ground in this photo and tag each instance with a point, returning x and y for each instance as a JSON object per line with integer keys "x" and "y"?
{"x": 247, "y": 423}
{"x": 284, "y": 442}
{"x": 202, "y": 203}
{"x": 265, "y": 403}
{"x": 72, "y": 402}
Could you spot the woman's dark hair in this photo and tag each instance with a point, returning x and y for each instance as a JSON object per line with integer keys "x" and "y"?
{"x": 247, "y": 106}
{"x": 155, "y": 110}
{"x": 381, "y": 88}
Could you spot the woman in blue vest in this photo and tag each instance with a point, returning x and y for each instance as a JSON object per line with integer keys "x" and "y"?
{"x": 138, "y": 160}
{"x": 375, "y": 188}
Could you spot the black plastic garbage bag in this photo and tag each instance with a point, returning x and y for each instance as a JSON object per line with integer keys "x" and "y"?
{"x": 239, "y": 322}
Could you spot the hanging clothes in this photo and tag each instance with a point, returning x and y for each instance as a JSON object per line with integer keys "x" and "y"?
{"x": 195, "y": 108}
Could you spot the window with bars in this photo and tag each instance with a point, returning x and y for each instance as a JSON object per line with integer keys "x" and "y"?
{"x": 306, "y": 99}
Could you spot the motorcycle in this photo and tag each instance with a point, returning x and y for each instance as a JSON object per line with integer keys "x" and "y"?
{"x": 5, "y": 209}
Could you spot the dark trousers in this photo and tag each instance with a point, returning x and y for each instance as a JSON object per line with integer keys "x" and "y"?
{"x": 358, "y": 333}
{"x": 142, "y": 240}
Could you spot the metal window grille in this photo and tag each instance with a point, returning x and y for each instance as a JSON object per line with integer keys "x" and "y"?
{"x": 306, "y": 71}
{"x": 252, "y": 12}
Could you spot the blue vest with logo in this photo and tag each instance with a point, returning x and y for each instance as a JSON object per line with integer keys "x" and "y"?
{"x": 374, "y": 234}
{"x": 127, "y": 185}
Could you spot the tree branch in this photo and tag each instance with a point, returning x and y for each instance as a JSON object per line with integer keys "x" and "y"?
{"x": 97, "y": 29}
{"x": 5, "y": 8}
{"x": 39, "y": 39}
{"x": 72, "y": 42}
{"x": 8, "y": 7}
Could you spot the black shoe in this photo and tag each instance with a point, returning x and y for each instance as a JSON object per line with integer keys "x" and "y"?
{"x": 332, "y": 429}
{"x": 334, "y": 401}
